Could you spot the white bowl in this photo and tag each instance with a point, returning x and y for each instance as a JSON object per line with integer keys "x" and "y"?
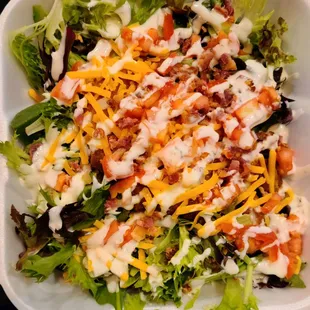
{"x": 54, "y": 294}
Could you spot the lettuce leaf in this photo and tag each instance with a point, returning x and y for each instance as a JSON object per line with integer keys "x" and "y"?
{"x": 95, "y": 204}
{"x": 133, "y": 302}
{"x": 103, "y": 297}
{"x": 77, "y": 274}
{"x": 297, "y": 281}
{"x": 141, "y": 10}
{"x": 29, "y": 57}
{"x": 15, "y": 155}
{"x": 42, "y": 267}
{"x": 233, "y": 297}
{"x": 268, "y": 38}
{"x": 252, "y": 9}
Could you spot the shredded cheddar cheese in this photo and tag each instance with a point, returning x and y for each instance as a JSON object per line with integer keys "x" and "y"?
{"x": 141, "y": 256}
{"x": 272, "y": 170}
{"x": 207, "y": 185}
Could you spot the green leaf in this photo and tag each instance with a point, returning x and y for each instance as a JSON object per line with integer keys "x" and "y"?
{"x": 249, "y": 8}
{"x": 15, "y": 155}
{"x": 29, "y": 57}
{"x": 171, "y": 237}
{"x": 27, "y": 116}
{"x": 95, "y": 204}
{"x": 296, "y": 281}
{"x": 191, "y": 303}
{"x": 38, "y": 13}
{"x": 42, "y": 267}
{"x": 104, "y": 297}
{"x": 46, "y": 195}
{"x": 77, "y": 274}
{"x": 233, "y": 297}
{"x": 133, "y": 302}
{"x": 268, "y": 39}
{"x": 141, "y": 10}
{"x": 73, "y": 58}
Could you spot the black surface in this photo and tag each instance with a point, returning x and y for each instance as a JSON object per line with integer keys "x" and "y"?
{"x": 5, "y": 303}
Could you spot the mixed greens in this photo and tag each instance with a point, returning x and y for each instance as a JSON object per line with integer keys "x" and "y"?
{"x": 156, "y": 151}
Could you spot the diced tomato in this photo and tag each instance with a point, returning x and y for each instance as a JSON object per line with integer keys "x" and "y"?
{"x": 268, "y": 96}
{"x": 169, "y": 89}
{"x": 105, "y": 166}
{"x": 135, "y": 113}
{"x": 215, "y": 41}
{"x": 285, "y": 158}
{"x": 236, "y": 134}
{"x": 145, "y": 44}
{"x": 168, "y": 28}
{"x": 127, "y": 235}
{"x": 112, "y": 230}
{"x": 215, "y": 82}
{"x": 77, "y": 65}
{"x": 247, "y": 109}
{"x": 153, "y": 33}
{"x": 226, "y": 227}
{"x": 195, "y": 38}
{"x": 152, "y": 100}
{"x": 269, "y": 205}
{"x": 63, "y": 180}
{"x": 273, "y": 253}
{"x": 127, "y": 34}
{"x": 202, "y": 103}
{"x": 120, "y": 186}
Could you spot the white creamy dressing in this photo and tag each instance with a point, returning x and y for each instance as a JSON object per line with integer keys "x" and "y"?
{"x": 230, "y": 267}
{"x": 103, "y": 49}
{"x": 212, "y": 17}
{"x": 177, "y": 258}
{"x": 58, "y": 58}
{"x": 243, "y": 29}
{"x": 200, "y": 257}
{"x": 55, "y": 221}
{"x": 278, "y": 268}
{"x": 101, "y": 254}
{"x": 124, "y": 12}
{"x": 271, "y": 142}
{"x": 76, "y": 187}
{"x": 230, "y": 46}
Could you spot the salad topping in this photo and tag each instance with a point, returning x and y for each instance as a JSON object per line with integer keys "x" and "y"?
{"x": 156, "y": 151}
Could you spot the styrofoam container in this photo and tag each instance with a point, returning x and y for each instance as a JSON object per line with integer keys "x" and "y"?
{"x": 54, "y": 293}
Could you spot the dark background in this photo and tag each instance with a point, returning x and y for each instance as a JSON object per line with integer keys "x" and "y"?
{"x": 5, "y": 304}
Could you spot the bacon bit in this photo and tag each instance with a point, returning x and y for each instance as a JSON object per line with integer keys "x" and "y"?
{"x": 33, "y": 148}
{"x": 186, "y": 45}
{"x": 116, "y": 143}
{"x": 74, "y": 165}
{"x": 205, "y": 59}
{"x": 229, "y": 7}
{"x": 127, "y": 122}
{"x": 79, "y": 120}
{"x": 234, "y": 165}
{"x": 95, "y": 159}
{"x": 174, "y": 178}
{"x": 146, "y": 222}
{"x": 98, "y": 133}
{"x": 227, "y": 63}
{"x": 170, "y": 252}
{"x": 110, "y": 204}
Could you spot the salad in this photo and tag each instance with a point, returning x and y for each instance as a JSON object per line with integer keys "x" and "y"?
{"x": 156, "y": 151}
